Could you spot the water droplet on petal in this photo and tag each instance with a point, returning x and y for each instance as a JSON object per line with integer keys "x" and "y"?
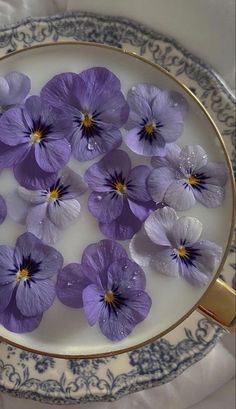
{"x": 125, "y": 267}
{"x": 99, "y": 197}
{"x": 122, "y": 332}
{"x": 90, "y": 146}
{"x": 175, "y": 104}
{"x": 69, "y": 284}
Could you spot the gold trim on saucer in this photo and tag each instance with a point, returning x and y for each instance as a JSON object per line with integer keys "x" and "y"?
{"x": 231, "y": 181}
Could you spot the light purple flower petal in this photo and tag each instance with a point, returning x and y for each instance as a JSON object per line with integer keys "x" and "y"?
{"x": 180, "y": 195}
{"x": 41, "y": 226}
{"x": 6, "y": 264}
{"x": 216, "y": 172}
{"x": 117, "y": 161}
{"x": 51, "y": 260}
{"x": 31, "y": 196}
{"x": 6, "y": 292}
{"x": 171, "y": 119}
{"x": 170, "y": 160}
{"x": 19, "y": 86}
{"x": 65, "y": 213}
{"x": 192, "y": 158}
{"x": 164, "y": 262}
{"x": 124, "y": 227}
{"x": 52, "y": 156}
{"x": 35, "y": 299}
{"x": 211, "y": 196}
{"x": 144, "y": 147}
{"x": 17, "y": 207}
{"x": 159, "y": 181}
{"x": 126, "y": 274}
{"x": 92, "y": 303}
{"x": 185, "y": 231}
{"x": 11, "y": 155}
{"x": 14, "y": 321}
{"x": 12, "y": 124}
{"x": 140, "y": 210}
{"x": 104, "y": 206}
{"x": 138, "y": 177}
{"x": 142, "y": 249}
{"x": 33, "y": 177}
{"x": 209, "y": 255}
{"x": 178, "y": 102}
{"x": 118, "y": 326}
{"x": 70, "y": 285}
{"x": 75, "y": 181}
{"x": 98, "y": 257}
{"x": 140, "y": 98}
{"x": 194, "y": 276}
{"x": 3, "y": 210}
{"x": 159, "y": 224}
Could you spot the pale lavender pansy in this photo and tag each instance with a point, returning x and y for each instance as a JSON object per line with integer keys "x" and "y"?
{"x": 27, "y": 288}
{"x": 109, "y": 286}
{"x": 14, "y": 88}
{"x": 156, "y": 118}
{"x": 97, "y": 107}
{"x": 47, "y": 212}
{"x": 174, "y": 247}
{"x": 120, "y": 200}
{"x": 33, "y": 142}
{"x": 3, "y": 209}
{"x": 185, "y": 176}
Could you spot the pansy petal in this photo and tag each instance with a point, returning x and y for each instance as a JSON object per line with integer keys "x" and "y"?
{"x": 179, "y": 195}
{"x": 178, "y": 102}
{"x": 185, "y": 231}
{"x": 11, "y": 155}
{"x": 35, "y": 298}
{"x": 124, "y": 227}
{"x": 71, "y": 282}
{"x": 5, "y": 295}
{"x": 19, "y": 87}
{"x": 194, "y": 276}
{"x": 140, "y": 210}
{"x": 38, "y": 223}
{"x": 165, "y": 263}
{"x": 3, "y": 210}
{"x": 75, "y": 182}
{"x": 53, "y": 155}
{"x": 117, "y": 326}
{"x": 14, "y": 321}
{"x": 113, "y": 108}
{"x": 13, "y": 129}
{"x": 216, "y": 173}
{"x": 142, "y": 249}
{"x": 172, "y": 124}
{"x": 64, "y": 213}
{"x": 211, "y": 196}
{"x": 106, "y": 207}
{"x": 138, "y": 179}
{"x": 36, "y": 178}
{"x": 143, "y": 146}
{"x": 209, "y": 255}
{"x": 17, "y": 207}
{"x": 6, "y": 264}
{"x": 192, "y": 158}
{"x": 158, "y": 183}
{"x": 97, "y": 257}
{"x": 170, "y": 160}
{"x": 159, "y": 224}
{"x": 31, "y": 196}
{"x": 126, "y": 274}
{"x": 140, "y": 98}
{"x": 92, "y": 303}
{"x": 58, "y": 91}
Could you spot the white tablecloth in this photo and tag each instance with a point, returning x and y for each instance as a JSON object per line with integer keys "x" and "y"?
{"x": 206, "y": 28}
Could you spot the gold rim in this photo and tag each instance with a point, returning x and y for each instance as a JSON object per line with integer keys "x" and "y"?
{"x": 231, "y": 177}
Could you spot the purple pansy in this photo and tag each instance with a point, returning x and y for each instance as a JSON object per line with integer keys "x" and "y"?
{"x": 32, "y": 140}
{"x": 155, "y": 119}
{"x": 119, "y": 200}
{"x": 185, "y": 176}
{"x": 14, "y": 88}
{"x": 46, "y": 212}
{"x": 109, "y": 286}
{"x": 174, "y": 246}
{"x": 3, "y": 210}
{"x": 26, "y": 285}
{"x": 97, "y": 107}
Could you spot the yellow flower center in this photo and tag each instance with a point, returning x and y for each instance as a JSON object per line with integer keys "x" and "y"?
{"x": 22, "y": 274}
{"x": 109, "y": 297}
{"x": 36, "y": 136}
{"x": 87, "y": 121}
{"x": 182, "y": 252}
{"x": 193, "y": 180}
{"x": 120, "y": 187}
{"x": 53, "y": 195}
{"x": 150, "y": 128}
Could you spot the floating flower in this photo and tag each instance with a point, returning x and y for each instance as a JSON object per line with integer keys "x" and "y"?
{"x": 46, "y": 212}
{"x": 26, "y": 285}
{"x": 119, "y": 200}
{"x": 32, "y": 140}
{"x": 14, "y": 88}
{"x": 97, "y": 107}
{"x": 173, "y": 245}
{"x": 109, "y": 286}
{"x": 3, "y": 210}
{"x": 185, "y": 176}
{"x": 155, "y": 119}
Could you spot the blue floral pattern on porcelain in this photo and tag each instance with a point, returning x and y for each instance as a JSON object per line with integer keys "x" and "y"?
{"x": 56, "y": 381}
